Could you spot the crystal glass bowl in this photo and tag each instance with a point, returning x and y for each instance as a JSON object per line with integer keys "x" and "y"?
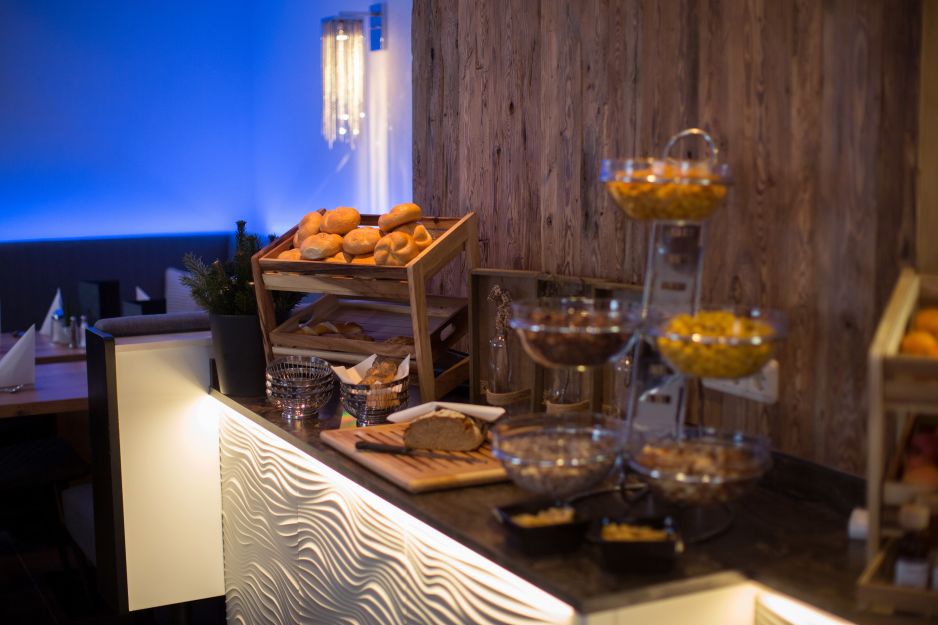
{"x": 666, "y": 189}
{"x": 299, "y": 385}
{"x": 730, "y": 343}
{"x": 574, "y": 331}
{"x": 557, "y": 455}
{"x": 702, "y": 466}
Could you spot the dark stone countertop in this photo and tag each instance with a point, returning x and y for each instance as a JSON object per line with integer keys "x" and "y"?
{"x": 789, "y": 533}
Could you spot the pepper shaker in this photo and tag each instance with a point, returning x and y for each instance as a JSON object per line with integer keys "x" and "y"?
{"x": 82, "y": 328}
{"x": 73, "y": 332}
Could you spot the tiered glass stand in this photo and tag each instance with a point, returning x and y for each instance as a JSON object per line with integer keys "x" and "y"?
{"x": 695, "y": 471}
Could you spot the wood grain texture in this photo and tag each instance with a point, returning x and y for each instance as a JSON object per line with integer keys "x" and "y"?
{"x": 927, "y": 188}
{"x": 813, "y": 105}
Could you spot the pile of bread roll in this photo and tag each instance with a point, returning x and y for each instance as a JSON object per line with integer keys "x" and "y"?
{"x": 337, "y": 236}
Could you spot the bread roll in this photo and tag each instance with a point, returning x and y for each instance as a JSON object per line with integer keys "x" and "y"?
{"x": 307, "y": 227}
{"x": 444, "y": 429}
{"x": 397, "y": 248}
{"x": 340, "y": 220}
{"x": 361, "y": 241}
{"x": 339, "y": 257}
{"x": 398, "y": 216}
{"x": 292, "y": 254}
{"x": 363, "y": 259}
{"x": 421, "y": 235}
{"x": 320, "y": 246}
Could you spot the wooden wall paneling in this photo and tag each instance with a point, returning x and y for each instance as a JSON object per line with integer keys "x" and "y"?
{"x": 927, "y": 181}
{"x": 810, "y": 105}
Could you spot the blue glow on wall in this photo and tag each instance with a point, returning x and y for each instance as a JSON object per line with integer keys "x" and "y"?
{"x": 153, "y": 117}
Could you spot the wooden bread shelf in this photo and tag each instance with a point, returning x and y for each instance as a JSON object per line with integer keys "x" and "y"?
{"x": 380, "y": 319}
{"x": 876, "y": 590}
{"x": 434, "y": 322}
{"x": 902, "y": 390}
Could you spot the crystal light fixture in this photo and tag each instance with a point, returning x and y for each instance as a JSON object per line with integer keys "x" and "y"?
{"x": 343, "y": 71}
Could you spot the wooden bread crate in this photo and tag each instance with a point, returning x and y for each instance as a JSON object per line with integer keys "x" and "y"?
{"x": 434, "y": 321}
{"x": 901, "y": 388}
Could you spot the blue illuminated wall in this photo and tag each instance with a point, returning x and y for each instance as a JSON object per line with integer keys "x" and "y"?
{"x": 151, "y": 117}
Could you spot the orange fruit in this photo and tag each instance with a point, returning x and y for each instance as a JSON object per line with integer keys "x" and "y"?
{"x": 926, "y": 320}
{"x": 919, "y": 343}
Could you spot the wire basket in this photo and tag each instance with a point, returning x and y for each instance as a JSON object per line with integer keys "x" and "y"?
{"x": 299, "y": 385}
{"x": 371, "y": 404}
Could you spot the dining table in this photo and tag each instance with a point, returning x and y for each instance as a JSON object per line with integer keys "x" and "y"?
{"x": 61, "y": 387}
{"x": 46, "y": 350}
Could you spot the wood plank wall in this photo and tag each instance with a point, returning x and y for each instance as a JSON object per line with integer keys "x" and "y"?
{"x": 814, "y": 105}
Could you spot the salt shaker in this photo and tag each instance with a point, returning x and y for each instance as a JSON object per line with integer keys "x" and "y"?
{"x": 58, "y": 327}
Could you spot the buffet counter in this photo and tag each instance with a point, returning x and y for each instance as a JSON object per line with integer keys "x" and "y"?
{"x": 312, "y": 536}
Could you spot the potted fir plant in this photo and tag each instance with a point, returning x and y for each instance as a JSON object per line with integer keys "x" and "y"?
{"x": 226, "y": 291}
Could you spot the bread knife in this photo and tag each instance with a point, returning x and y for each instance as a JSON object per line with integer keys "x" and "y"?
{"x": 407, "y": 451}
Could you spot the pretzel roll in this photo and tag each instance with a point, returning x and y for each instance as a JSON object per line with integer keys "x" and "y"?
{"x": 340, "y": 220}
{"x": 399, "y": 215}
{"x": 361, "y": 241}
{"x": 320, "y": 246}
{"x": 397, "y": 248}
{"x": 422, "y": 236}
{"x": 308, "y": 226}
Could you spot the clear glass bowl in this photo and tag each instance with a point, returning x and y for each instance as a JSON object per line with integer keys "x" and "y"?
{"x": 299, "y": 385}
{"x": 728, "y": 343}
{"x": 371, "y": 404}
{"x": 702, "y": 466}
{"x": 574, "y": 331}
{"x": 557, "y": 455}
{"x": 666, "y": 189}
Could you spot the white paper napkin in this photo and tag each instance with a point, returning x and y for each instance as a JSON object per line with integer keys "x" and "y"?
{"x": 140, "y": 295}
{"x": 46, "y": 328}
{"x": 18, "y": 366}
{"x": 355, "y": 374}
{"x": 483, "y": 413}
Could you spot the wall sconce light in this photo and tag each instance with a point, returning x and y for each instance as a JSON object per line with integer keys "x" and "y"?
{"x": 343, "y": 70}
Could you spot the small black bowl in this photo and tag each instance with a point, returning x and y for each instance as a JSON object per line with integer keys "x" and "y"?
{"x": 639, "y": 556}
{"x": 545, "y": 539}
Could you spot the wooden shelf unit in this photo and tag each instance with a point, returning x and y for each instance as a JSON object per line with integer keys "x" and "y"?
{"x": 407, "y": 284}
{"x": 900, "y": 387}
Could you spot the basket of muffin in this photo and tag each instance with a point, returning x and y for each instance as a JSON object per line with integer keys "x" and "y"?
{"x": 346, "y": 237}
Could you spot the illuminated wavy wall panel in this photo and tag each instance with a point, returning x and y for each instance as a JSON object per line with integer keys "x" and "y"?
{"x": 303, "y": 544}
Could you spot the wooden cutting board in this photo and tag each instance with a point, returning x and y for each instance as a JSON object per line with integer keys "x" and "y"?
{"x": 412, "y": 473}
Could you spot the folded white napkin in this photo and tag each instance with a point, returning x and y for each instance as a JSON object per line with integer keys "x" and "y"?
{"x": 483, "y": 413}
{"x": 18, "y": 366}
{"x": 46, "y": 328}
{"x": 356, "y": 373}
{"x": 140, "y": 295}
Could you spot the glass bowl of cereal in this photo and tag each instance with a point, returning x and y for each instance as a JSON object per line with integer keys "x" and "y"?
{"x": 650, "y": 189}
{"x": 721, "y": 343}
{"x": 574, "y": 331}
{"x": 702, "y": 466}
{"x": 666, "y": 188}
{"x": 558, "y": 455}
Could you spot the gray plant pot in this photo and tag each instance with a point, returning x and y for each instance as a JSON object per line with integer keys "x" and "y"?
{"x": 238, "y": 348}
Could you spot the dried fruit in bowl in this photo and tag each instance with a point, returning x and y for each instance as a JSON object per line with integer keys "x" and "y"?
{"x": 717, "y": 344}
